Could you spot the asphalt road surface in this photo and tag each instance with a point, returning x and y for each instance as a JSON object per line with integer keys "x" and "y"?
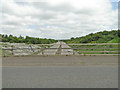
{"x": 60, "y": 72}
{"x": 59, "y": 60}
{"x": 60, "y": 77}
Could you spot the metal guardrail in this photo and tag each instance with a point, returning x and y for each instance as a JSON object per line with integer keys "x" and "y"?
{"x": 55, "y": 48}
{"x": 104, "y": 50}
{"x": 73, "y": 48}
{"x": 96, "y": 44}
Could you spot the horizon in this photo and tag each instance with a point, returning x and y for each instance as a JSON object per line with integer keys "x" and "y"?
{"x": 58, "y": 20}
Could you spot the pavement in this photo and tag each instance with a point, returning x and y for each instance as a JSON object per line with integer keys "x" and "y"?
{"x": 59, "y": 60}
{"x": 60, "y": 77}
{"x": 60, "y": 72}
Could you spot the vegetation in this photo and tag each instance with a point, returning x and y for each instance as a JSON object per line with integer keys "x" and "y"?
{"x": 27, "y": 39}
{"x": 96, "y": 49}
{"x": 99, "y": 37}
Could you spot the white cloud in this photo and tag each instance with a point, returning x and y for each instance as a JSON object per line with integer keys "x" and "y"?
{"x": 59, "y": 19}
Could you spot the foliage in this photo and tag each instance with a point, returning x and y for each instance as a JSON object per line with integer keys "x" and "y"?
{"x": 99, "y": 37}
{"x": 27, "y": 39}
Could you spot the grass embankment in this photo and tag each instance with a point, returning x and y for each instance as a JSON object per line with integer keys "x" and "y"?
{"x": 92, "y": 49}
{"x": 99, "y": 37}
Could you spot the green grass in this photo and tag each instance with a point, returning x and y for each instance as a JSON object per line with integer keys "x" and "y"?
{"x": 5, "y": 53}
{"x": 115, "y": 40}
{"x": 4, "y": 44}
{"x": 0, "y": 52}
{"x": 96, "y": 48}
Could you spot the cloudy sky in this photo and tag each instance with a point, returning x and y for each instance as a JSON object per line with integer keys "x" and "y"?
{"x": 57, "y": 19}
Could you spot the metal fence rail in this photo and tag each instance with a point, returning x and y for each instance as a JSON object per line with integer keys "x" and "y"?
{"x": 79, "y": 48}
{"x": 96, "y": 44}
{"x": 91, "y": 48}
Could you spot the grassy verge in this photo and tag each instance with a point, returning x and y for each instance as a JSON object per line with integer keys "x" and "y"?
{"x": 92, "y": 49}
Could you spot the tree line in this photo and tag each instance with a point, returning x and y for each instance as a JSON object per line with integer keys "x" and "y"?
{"x": 99, "y": 37}
{"x": 27, "y": 39}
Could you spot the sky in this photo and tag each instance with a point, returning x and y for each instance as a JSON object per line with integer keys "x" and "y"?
{"x": 57, "y": 19}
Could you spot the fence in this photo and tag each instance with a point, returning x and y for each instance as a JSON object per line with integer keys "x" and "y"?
{"x": 74, "y": 49}
{"x": 96, "y": 48}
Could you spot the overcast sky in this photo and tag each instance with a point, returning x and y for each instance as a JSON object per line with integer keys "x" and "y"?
{"x": 58, "y": 19}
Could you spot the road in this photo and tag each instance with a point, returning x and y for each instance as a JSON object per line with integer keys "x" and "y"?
{"x": 60, "y": 72}
{"x": 60, "y": 77}
{"x": 57, "y": 49}
{"x": 59, "y": 60}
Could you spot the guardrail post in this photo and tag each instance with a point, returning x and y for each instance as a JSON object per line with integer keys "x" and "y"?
{"x": 42, "y": 50}
{"x": 42, "y": 53}
{"x": 73, "y": 52}
{"x": 3, "y": 53}
{"x": 105, "y": 49}
{"x": 12, "y": 50}
{"x": 31, "y": 47}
